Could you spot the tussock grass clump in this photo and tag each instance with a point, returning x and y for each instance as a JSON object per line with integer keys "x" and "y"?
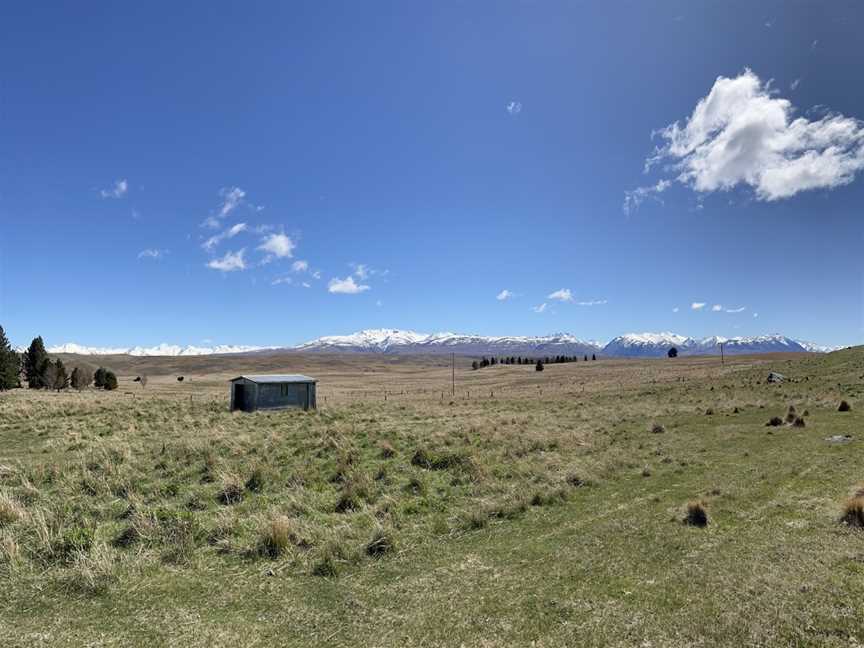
{"x": 709, "y": 411}
{"x": 799, "y": 422}
{"x": 257, "y": 479}
{"x": 10, "y": 551}
{"x": 333, "y": 556}
{"x": 696, "y": 514}
{"x": 380, "y": 543}
{"x": 231, "y": 491}
{"x": 853, "y": 511}
{"x": 549, "y": 497}
{"x": 10, "y": 510}
{"x": 355, "y": 491}
{"x": 275, "y": 536}
{"x": 455, "y": 461}
{"x": 658, "y": 429}
{"x": 387, "y": 450}
{"x": 844, "y": 406}
{"x": 775, "y": 421}
{"x": 91, "y": 573}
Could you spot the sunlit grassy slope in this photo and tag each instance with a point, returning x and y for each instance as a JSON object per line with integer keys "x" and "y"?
{"x": 530, "y": 507}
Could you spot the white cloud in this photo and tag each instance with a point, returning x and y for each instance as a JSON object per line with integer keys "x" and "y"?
{"x": 305, "y": 285}
{"x": 634, "y": 198}
{"x": 232, "y": 197}
{"x": 742, "y": 133}
{"x": 514, "y": 107}
{"x": 716, "y": 308}
{"x": 593, "y": 302}
{"x": 755, "y": 314}
{"x": 675, "y": 310}
{"x": 300, "y": 266}
{"x": 231, "y": 232}
{"x": 281, "y": 280}
{"x": 361, "y": 271}
{"x": 504, "y": 294}
{"x": 697, "y": 305}
{"x": 117, "y": 191}
{"x": 740, "y": 309}
{"x": 794, "y": 85}
{"x": 346, "y": 286}
{"x": 539, "y": 309}
{"x": 563, "y": 295}
{"x": 230, "y": 262}
{"x": 152, "y": 253}
{"x": 279, "y": 246}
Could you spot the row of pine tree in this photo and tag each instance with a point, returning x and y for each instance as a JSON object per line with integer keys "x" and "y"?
{"x": 519, "y": 360}
{"x": 41, "y": 372}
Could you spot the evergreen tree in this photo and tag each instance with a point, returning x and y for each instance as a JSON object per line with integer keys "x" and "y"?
{"x": 99, "y": 378}
{"x": 81, "y": 378}
{"x": 673, "y": 352}
{"x": 10, "y": 364}
{"x": 538, "y": 366}
{"x": 36, "y": 363}
{"x": 110, "y": 381}
{"x": 55, "y": 375}
{"x": 593, "y": 357}
{"x": 474, "y": 365}
{"x": 585, "y": 358}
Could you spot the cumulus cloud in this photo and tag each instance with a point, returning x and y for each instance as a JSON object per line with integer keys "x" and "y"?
{"x": 300, "y": 266}
{"x": 563, "y": 295}
{"x": 539, "y": 309}
{"x": 152, "y": 253}
{"x": 278, "y": 246}
{"x": 697, "y": 305}
{"x": 117, "y": 191}
{"x": 346, "y": 286}
{"x": 743, "y": 134}
{"x": 514, "y": 107}
{"x": 504, "y": 295}
{"x": 230, "y": 262}
{"x": 231, "y": 232}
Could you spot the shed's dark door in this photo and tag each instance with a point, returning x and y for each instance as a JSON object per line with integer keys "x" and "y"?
{"x": 240, "y": 397}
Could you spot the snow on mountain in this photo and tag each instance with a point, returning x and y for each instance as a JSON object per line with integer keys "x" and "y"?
{"x": 398, "y": 341}
{"x": 158, "y": 350}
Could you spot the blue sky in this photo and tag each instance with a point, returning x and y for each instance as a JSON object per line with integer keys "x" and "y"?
{"x": 437, "y": 154}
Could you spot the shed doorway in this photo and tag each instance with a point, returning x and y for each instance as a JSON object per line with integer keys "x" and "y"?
{"x": 240, "y": 397}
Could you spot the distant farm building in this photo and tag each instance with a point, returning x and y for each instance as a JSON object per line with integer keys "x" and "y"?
{"x": 251, "y": 393}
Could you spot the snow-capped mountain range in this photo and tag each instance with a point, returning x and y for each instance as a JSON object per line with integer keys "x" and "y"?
{"x": 398, "y": 341}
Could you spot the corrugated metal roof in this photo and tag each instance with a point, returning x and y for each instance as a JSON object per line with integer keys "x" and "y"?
{"x": 277, "y": 378}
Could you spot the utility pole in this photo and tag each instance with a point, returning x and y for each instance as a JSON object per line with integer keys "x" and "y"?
{"x": 722, "y": 358}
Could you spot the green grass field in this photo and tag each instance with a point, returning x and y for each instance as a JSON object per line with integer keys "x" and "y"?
{"x": 545, "y": 510}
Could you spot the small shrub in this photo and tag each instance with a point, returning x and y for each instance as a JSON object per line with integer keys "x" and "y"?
{"x": 844, "y": 406}
{"x": 853, "y": 512}
{"x": 799, "y": 422}
{"x": 658, "y": 429}
{"x": 775, "y": 421}
{"x": 709, "y": 411}
{"x": 696, "y": 514}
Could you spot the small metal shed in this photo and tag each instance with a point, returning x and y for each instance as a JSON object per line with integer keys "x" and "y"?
{"x": 266, "y": 392}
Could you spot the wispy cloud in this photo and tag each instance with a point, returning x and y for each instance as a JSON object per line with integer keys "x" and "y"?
{"x": 117, "y": 191}
{"x": 563, "y": 295}
{"x": 504, "y": 295}
{"x": 697, "y": 305}
{"x": 300, "y": 266}
{"x": 277, "y": 246}
{"x": 633, "y": 199}
{"x": 282, "y": 280}
{"x": 346, "y": 286}
{"x": 740, "y": 309}
{"x": 152, "y": 253}
{"x": 514, "y": 108}
{"x": 675, "y": 310}
{"x": 716, "y": 308}
{"x": 794, "y": 85}
{"x": 232, "y": 197}
{"x": 593, "y": 302}
{"x": 539, "y": 309}
{"x": 230, "y": 262}
{"x": 742, "y": 133}
{"x": 231, "y": 232}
